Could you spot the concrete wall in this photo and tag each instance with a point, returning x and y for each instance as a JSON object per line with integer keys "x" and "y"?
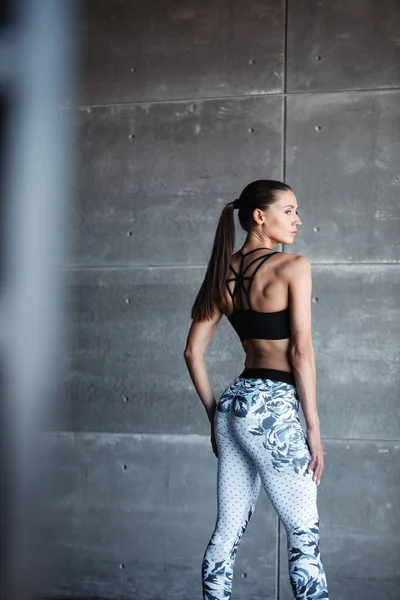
{"x": 182, "y": 104}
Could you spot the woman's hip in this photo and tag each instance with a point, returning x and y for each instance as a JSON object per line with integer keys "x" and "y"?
{"x": 257, "y": 396}
{"x": 262, "y": 416}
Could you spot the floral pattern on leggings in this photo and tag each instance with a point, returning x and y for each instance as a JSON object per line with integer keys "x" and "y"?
{"x": 307, "y": 578}
{"x": 261, "y": 441}
{"x": 278, "y": 421}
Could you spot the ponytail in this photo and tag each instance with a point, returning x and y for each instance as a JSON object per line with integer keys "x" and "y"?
{"x": 258, "y": 194}
{"x": 212, "y": 288}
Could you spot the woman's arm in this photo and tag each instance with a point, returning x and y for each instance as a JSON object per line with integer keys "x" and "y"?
{"x": 198, "y": 339}
{"x": 302, "y": 356}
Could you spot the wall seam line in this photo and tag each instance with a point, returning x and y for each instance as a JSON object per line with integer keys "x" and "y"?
{"x": 283, "y": 171}
{"x": 193, "y": 437}
{"x": 235, "y": 97}
{"x": 72, "y": 268}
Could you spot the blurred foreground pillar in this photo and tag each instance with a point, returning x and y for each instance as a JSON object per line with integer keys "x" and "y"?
{"x": 36, "y": 61}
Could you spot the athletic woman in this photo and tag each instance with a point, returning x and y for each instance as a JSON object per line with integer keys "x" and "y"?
{"x": 255, "y": 428}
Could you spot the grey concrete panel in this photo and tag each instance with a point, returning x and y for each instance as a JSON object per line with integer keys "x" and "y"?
{"x": 356, "y": 336}
{"x": 133, "y": 351}
{"x": 125, "y": 368}
{"x": 156, "y": 198}
{"x": 135, "y": 51}
{"x": 130, "y": 517}
{"x": 342, "y": 160}
{"x": 346, "y": 44}
{"x": 359, "y": 521}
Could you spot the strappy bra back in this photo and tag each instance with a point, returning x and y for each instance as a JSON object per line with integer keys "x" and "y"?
{"x": 249, "y": 323}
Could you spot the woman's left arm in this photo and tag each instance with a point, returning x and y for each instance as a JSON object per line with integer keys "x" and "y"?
{"x": 198, "y": 339}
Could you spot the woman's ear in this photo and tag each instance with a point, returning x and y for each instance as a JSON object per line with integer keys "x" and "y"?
{"x": 258, "y": 216}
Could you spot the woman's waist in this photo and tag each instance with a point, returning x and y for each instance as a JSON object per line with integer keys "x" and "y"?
{"x": 268, "y": 373}
{"x": 270, "y": 354}
{"x": 268, "y": 365}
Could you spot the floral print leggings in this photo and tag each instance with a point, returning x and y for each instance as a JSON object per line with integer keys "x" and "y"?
{"x": 260, "y": 440}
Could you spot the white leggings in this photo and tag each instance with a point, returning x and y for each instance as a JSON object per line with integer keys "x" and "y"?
{"x": 260, "y": 440}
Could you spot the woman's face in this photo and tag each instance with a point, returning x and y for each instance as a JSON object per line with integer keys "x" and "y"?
{"x": 282, "y": 220}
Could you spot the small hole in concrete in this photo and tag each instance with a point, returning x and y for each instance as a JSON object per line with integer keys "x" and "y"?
{"x": 316, "y": 229}
{"x": 127, "y": 300}
{"x": 126, "y": 399}
{"x": 315, "y": 299}
{"x": 251, "y": 61}
{"x": 251, "y": 129}
{"x": 133, "y": 69}
{"x": 121, "y": 566}
{"x": 131, "y": 136}
{"x": 129, "y": 233}
{"x": 125, "y": 467}
{"x": 318, "y": 128}
{"x": 244, "y": 575}
{"x": 318, "y": 58}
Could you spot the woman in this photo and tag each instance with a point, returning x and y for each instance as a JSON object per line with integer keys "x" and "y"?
{"x": 255, "y": 428}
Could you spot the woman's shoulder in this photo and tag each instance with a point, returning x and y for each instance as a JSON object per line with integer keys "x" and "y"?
{"x": 289, "y": 266}
{"x": 294, "y": 265}
{"x": 296, "y": 259}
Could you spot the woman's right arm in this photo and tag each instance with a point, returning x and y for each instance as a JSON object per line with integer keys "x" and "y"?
{"x": 302, "y": 355}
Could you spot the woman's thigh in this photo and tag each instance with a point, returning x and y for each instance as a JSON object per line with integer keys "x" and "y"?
{"x": 238, "y": 478}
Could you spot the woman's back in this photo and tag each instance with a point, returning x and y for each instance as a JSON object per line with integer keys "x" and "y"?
{"x": 256, "y": 302}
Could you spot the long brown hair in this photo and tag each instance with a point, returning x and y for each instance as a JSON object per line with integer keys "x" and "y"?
{"x": 258, "y": 194}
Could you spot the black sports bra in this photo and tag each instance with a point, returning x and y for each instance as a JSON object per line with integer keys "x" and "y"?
{"x": 249, "y": 323}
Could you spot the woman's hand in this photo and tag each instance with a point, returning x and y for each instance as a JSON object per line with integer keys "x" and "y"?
{"x": 213, "y": 441}
{"x": 317, "y": 454}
